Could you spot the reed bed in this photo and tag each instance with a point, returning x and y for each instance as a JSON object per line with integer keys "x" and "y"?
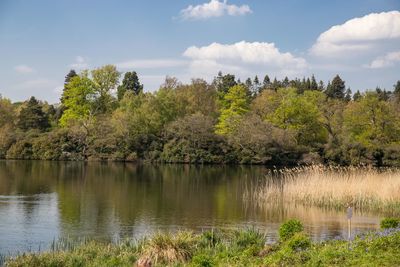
{"x": 364, "y": 188}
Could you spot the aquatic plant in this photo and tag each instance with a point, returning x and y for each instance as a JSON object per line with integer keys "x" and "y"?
{"x": 364, "y": 188}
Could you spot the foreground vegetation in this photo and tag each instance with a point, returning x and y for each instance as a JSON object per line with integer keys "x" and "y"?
{"x": 367, "y": 189}
{"x": 237, "y": 248}
{"x": 227, "y": 121}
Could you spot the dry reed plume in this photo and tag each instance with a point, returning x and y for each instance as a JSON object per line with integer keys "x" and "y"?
{"x": 365, "y": 188}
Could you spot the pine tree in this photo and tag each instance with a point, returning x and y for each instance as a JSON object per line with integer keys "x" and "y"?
{"x": 32, "y": 116}
{"x": 68, "y": 77}
{"x": 348, "y": 95}
{"x": 129, "y": 83}
{"x": 308, "y": 84}
{"x": 357, "y": 96}
{"x": 266, "y": 83}
{"x": 396, "y": 90}
{"x": 321, "y": 86}
{"x": 256, "y": 86}
{"x": 285, "y": 82}
{"x": 314, "y": 85}
{"x": 223, "y": 83}
{"x": 336, "y": 89}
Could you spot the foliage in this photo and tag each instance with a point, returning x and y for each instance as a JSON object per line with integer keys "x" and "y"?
{"x": 387, "y": 223}
{"x": 273, "y": 122}
{"x": 234, "y": 104}
{"x": 289, "y": 228}
{"x": 31, "y": 116}
{"x": 129, "y": 83}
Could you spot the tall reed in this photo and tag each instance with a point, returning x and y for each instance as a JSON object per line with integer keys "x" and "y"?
{"x": 364, "y": 188}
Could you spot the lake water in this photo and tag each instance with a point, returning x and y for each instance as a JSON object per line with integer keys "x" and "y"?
{"x": 41, "y": 201}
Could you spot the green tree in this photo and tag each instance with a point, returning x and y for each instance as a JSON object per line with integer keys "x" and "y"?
{"x": 235, "y": 105}
{"x": 372, "y": 124}
{"x": 32, "y": 116}
{"x": 397, "y": 88}
{"x": 357, "y": 96}
{"x": 105, "y": 80}
{"x": 6, "y": 112}
{"x": 300, "y": 113}
{"x": 129, "y": 83}
{"x": 223, "y": 83}
{"x": 336, "y": 89}
{"x": 79, "y": 106}
{"x": 68, "y": 78}
{"x": 313, "y": 85}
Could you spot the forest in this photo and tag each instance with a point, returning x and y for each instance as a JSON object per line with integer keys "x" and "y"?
{"x": 228, "y": 121}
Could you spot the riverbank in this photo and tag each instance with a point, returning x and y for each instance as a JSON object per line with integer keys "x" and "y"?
{"x": 216, "y": 248}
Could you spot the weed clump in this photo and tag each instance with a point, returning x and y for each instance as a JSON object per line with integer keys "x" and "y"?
{"x": 289, "y": 229}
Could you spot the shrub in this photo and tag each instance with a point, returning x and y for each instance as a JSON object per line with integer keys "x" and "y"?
{"x": 248, "y": 238}
{"x": 289, "y": 228}
{"x": 210, "y": 239}
{"x": 168, "y": 249}
{"x": 390, "y": 223}
{"x": 299, "y": 241}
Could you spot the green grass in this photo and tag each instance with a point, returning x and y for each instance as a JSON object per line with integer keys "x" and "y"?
{"x": 217, "y": 248}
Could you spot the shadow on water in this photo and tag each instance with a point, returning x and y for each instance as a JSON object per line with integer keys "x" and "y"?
{"x": 43, "y": 200}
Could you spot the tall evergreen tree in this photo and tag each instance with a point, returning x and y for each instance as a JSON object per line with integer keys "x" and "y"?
{"x": 308, "y": 84}
{"x": 68, "y": 77}
{"x": 285, "y": 82}
{"x": 32, "y": 116}
{"x": 347, "y": 97}
{"x": 321, "y": 86}
{"x": 313, "y": 85}
{"x": 357, "y": 96}
{"x": 129, "y": 83}
{"x": 396, "y": 90}
{"x": 222, "y": 83}
{"x": 336, "y": 89}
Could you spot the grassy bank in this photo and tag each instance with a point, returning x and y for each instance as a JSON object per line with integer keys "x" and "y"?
{"x": 237, "y": 248}
{"x": 367, "y": 189}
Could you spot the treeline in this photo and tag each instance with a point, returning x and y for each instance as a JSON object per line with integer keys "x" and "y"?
{"x": 275, "y": 122}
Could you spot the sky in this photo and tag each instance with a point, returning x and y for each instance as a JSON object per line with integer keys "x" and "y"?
{"x": 40, "y": 41}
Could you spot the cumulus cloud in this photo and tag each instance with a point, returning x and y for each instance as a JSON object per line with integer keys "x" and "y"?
{"x": 214, "y": 8}
{"x": 23, "y": 69}
{"x": 150, "y": 63}
{"x": 388, "y": 60}
{"x": 243, "y": 58}
{"x": 80, "y": 63}
{"x": 358, "y": 34}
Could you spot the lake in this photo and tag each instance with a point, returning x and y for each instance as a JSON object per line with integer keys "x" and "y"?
{"x": 41, "y": 201}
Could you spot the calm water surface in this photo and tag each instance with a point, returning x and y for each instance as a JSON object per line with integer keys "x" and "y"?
{"x": 41, "y": 201}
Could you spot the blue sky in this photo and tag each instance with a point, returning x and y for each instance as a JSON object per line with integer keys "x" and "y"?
{"x": 41, "y": 40}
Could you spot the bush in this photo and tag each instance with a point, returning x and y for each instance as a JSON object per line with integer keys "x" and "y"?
{"x": 289, "y": 228}
{"x": 210, "y": 239}
{"x": 390, "y": 223}
{"x": 299, "y": 241}
{"x": 248, "y": 238}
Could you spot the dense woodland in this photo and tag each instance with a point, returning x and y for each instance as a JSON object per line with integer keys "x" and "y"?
{"x": 258, "y": 121}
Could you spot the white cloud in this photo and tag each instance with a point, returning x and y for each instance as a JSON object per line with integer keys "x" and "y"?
{"x": 358, "y": 34}
{"x": 80, "y": 63}
{"x": 243, "y": 58}
{"x": 214, "y": 8}
{"x": 387, "y": 60}
{"x": 150, "y": 64}
{"x": 23, "y": 69}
